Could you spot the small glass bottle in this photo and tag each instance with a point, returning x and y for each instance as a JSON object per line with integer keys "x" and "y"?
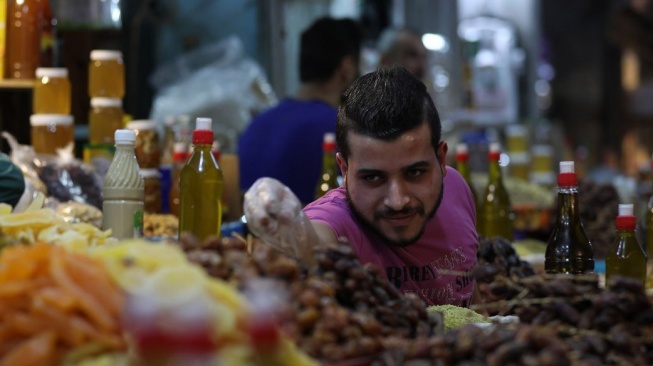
{"x": 51, "y": 91}
{"x": 106, "y": 74}
{"x": 626, "y": 256}
{"x": 179, "y": 157}
{"x": 50, "y": 132}
{"x": 123, "y": 190}
{"x": 568, "y": 249}
{"x": 201, "y": 184}
{"x": 329, "y": 177}
{"x": 105, "y": 117}
{"x": 462, "y": 165}
{"x": 495, "y": 216}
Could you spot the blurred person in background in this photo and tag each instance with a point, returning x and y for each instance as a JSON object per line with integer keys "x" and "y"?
{"x": 404, "y": 46}
{"x": 285, "y": 142}
{"x": 401, "y": 208}
{"x": 12, "y": 182}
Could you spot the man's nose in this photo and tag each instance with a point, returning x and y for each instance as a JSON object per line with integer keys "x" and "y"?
{"x": 397, "y": 197}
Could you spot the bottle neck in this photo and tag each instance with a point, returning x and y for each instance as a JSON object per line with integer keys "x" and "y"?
{"x": 568, "y": 204}
{"x": 495, "y": 175}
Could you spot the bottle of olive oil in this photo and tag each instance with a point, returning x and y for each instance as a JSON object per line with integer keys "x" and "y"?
{"x": 649, "y": 218}
{"x": 200, "y": 187}
{"x": 626, "y": 256}
{"x": 462, "y": 166}
{"x": 495, "y": 216}
{"x": 568, "y": 249}
{"x": 329, "y": 177}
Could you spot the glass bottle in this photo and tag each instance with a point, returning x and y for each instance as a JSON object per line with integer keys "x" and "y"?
{"x": 22, "y": 39}
{"x": 462, "y": 165}
{"x": 495, "y": 217}
{"x": 200, "y": 184}
{"x": 123, "y": 190}
{"x": 179, "y": 158}
{"x": 626, "y": 256}
{"x": 649, "y": 219}
{"x": 568, "y": 249}
{"x": 51, "y": 91}
{"x": 329, "y": 177}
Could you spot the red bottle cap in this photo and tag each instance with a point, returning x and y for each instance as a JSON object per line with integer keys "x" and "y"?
{"x": 329, "y": 142}
{"x": 494, "y": 153}
{"x": 567, "y": 176}
{"x": 203, "y": 135}
{"x": 462, "y": 153}
{"x": 626, "y": 220}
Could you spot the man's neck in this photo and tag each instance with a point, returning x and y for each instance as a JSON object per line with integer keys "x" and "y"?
{"x": 327, "y": 92}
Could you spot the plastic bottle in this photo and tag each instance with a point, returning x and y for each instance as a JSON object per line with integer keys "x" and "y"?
{"x": 104, "y": 118}
{"x": 329, "y": 177}
{"x": 462, "y": 165}
{"x": 23, "y": 39}
{"x": 124, "y": 190}
{"x": 51, "y": 91}
{"x": 201, "y": 184}
{"x": 106, "y": 74}
{"x": 495, "y": 216}
{"x": 626, "y": 256}
{"x": 568, "y": 249}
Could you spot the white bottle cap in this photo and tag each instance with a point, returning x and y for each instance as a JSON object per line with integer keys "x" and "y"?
{"x": 329, "y": 137}
{"x": 36, "y": 120}
{"x": 150, "y": 173}
{"x": 567, "y": 167}
{"x": 462, "y": 148}
{"x": 106, "y": 102}
{"x": 142, "y": 124}
{"x": 179, "y": 147}
{"x": 495, "y": 147}
{"x": 542, "y": 150}
{"x": 99, "y": 55}
{"x": 169, "y": 120}
{"x": 52, "y": 72}
{"x": 124, "y": 136}
{"x": 203, "y": 123}
{"x": 516, "y": 130}
{"x": 626, "y": 209}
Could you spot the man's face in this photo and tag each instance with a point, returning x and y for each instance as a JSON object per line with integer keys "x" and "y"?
{"x": 413, "y": 55}
{"x": 394, "y": 187}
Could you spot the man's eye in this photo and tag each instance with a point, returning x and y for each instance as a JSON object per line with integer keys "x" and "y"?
{"x": 372, "y": 178}
{"x": 413, "y": 173}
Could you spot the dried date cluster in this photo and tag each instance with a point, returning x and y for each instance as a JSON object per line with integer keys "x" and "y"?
{"x": 599, "y": 205}
{"x": 71, "y": 183}
{"x": 339, "y": 309}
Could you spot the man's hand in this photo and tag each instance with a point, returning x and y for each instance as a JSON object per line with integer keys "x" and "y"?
{"x": 275, "y": 215}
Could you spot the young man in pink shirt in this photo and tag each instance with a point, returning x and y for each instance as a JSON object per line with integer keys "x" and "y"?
{"x": 401, "y": 207}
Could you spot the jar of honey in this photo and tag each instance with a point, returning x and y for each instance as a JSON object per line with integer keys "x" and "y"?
{"x": 152, "y": 198}
{"x": 50, "y": 132}
{"x": 106, "y": 74}
{"x": 104, "y": 118}
{"x": 148, "y": 146}
{"x": 51, "y": 91}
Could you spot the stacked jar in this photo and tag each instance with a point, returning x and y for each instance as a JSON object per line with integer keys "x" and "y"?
{"x": 148, "y": 155}
{"x": 51, "y": 124}
{"x": 517, "y": 146}
{"x": 106, "y": 88}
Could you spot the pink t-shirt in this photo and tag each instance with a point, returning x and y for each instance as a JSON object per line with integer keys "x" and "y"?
{"x": 437, "y": 267}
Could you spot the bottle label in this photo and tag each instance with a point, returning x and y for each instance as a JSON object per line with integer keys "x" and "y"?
{"x": 138, "y": 224}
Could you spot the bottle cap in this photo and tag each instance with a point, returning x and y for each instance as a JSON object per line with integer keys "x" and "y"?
{"x": 169, "y": 120}
{"x": 101, "y": 55}
{"x": 329, "y": 142}
{"x": 516, "y": 130}
{"x": 203, "y": 133}
{"x": 142, "y": 124}
{"x": 462, "y": 152}
{"x": 179, "y": 152}
{"x": 494, "y": 152}
{"x": 106, "y": 102}
{"x": 150, "y": 173}
{"x": 52, "y": 72}
{"x": 626, "y": 219}
{"x": 124, "y": 136}
{"x": 36, "y": 120}
{"x": 567, "y": 176}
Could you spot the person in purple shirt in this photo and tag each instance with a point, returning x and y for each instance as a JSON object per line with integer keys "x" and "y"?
{"x": 401, "y": 207}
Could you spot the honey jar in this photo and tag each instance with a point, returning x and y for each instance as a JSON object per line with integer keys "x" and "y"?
{"x": 106, "y": 74}
{"x": 152, "y": 197}
{"x": 51, "y": 91}
{"x": 105, "y": 117}
{"x": 50, "y": 132}
{"x": 148, "y": 146}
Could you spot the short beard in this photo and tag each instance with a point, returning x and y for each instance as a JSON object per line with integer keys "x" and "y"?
{"x": 395, "y": 243}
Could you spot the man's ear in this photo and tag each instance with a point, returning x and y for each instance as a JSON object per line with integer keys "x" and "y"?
{"x": 441, "y": 155}
{"x": 342, "y": 164}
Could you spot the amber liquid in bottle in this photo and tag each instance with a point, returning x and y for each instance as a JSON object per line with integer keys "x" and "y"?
{"x": 495, "y": 217}
{"x": 462, "y": 166}
{"x": 329, "y": 177}
{"x": 568, "y": 249}
{"x": 626, "y": 256}
{"x": 200, "y": 187}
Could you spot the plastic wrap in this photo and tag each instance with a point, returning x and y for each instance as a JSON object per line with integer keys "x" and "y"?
{"x": 216, "y": 81}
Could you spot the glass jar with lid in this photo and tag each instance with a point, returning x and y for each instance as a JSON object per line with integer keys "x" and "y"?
{"x": 106, "y": 74}
{"x": 148, "y": 146}
{"x": 105, "y": 117}
{"x": 152, "y": 197}
{"x": 50, "y": 132}
{"x": 51, "y": 91}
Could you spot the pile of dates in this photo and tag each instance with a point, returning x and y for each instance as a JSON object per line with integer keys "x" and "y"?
{"x": 338, "y": 309}
{"x": 599, "y": 206}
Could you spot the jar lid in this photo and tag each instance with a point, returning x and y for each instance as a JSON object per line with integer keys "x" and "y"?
{"x": 142, "y": 124}
{"x": 52, "y": 72}
{"x": 106, "y": 102}
{"x": 150, "y": 173}
{"x": 516, "y": 130}
{"x": 542, "y": 150}
{"x": 124, "y": 136}
{"x": 105, "y": 55}
{"x": 519, "y": 158}
{"x": 50, "y": 119}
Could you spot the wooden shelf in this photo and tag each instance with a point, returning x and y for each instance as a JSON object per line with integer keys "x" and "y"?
{"x": 16, "y": 84}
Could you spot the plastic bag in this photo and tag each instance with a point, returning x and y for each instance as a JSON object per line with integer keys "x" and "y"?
{"x": 23, "y": 156}
{"x": 216, "y": 81}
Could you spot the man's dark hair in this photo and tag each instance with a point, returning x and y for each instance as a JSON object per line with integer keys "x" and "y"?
{"x": 384, "y": 104}
{"x": 323, "y": 46}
